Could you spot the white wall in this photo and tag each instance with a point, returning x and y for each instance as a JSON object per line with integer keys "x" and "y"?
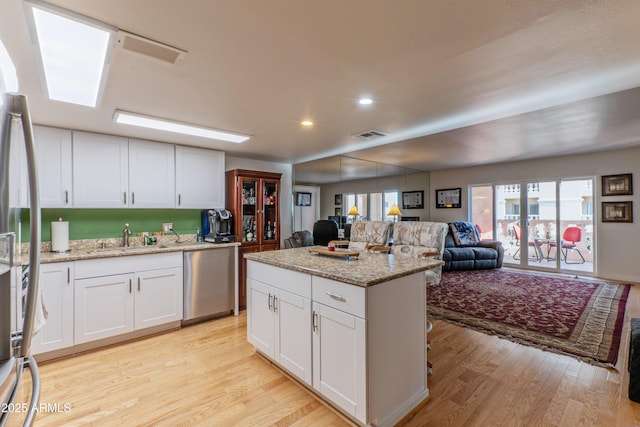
{"x": 617, "y": 244}
{"x": 286, "y": 213}
{"x": 305, "y": 216}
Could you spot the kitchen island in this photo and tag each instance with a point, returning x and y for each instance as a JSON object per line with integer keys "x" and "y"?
{"x": 351, "y": 330}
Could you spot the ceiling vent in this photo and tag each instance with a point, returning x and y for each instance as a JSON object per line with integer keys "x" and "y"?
{"x": 370, "y": 134}
{"x": 148, "y": 47}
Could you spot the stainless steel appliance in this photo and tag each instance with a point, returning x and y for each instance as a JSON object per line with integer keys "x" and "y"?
{"x": 218, "y": 226}
{"x": 209, "y": 280}
{"x": 15, "y": 358}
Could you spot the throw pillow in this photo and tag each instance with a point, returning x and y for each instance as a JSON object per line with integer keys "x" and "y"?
{"x": 464, "y": 233}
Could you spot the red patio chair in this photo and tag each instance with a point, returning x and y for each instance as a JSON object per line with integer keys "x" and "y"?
{"x": 570, "y": 238}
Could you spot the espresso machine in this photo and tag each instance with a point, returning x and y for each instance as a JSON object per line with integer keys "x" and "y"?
{"x": 217, "y": 226}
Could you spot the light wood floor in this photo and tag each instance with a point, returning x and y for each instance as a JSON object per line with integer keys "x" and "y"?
{"x": 208, "y": 375}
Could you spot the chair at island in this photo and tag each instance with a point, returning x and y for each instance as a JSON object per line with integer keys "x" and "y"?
{"x": 421, "y": 239}
{"x": 324, "y": 230}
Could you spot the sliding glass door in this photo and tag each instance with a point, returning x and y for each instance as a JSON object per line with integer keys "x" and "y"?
{"x": 548, "y": 226}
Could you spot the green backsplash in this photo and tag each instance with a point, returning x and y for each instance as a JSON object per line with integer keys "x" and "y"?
{"x": 104, "y": 223}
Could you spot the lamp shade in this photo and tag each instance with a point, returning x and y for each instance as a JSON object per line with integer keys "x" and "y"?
{"x": 353, "y": 210}
{"x": 394, "y": 210}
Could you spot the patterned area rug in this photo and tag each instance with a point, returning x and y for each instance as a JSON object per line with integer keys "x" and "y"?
{"x": 578, "y": 317}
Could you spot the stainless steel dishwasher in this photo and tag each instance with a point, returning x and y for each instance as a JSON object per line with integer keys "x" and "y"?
{"x": 209, "y": 278}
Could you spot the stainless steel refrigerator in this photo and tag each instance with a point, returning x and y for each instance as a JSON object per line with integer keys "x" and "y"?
{"x": 16, "y": 361}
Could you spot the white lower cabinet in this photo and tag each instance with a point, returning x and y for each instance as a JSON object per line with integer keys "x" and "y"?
{"x": 339, "y": 359}
{"x": 279, "y": 320}
{"x": 367, "y": 344}
{"x": 158, "y": 297}
{"x": 147, "y": 291}
{"x": 56, "y": 282}
{"x": 103, "y": 307}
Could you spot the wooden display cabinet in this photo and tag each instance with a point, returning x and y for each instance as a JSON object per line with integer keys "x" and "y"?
{"x": 253, "y": 198}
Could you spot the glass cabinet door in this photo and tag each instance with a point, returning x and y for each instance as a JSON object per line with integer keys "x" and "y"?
{"x": 249, "y": 203}
{"x": 270, "y": 210}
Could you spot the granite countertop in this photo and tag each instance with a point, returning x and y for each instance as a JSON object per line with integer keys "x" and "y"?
{"x": 92, "y": 249}
{"x": 366, "y": 270}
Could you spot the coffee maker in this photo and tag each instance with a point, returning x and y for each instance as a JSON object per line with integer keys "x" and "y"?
{"x": 217, "y": 226}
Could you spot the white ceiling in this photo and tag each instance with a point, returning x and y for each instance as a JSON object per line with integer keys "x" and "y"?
{"x": 455, "y": 82}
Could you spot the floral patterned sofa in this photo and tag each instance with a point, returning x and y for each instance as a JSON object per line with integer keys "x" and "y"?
{"x": 365, "y": 233}
{"x": 414, "y": 238}
{"x": 465, "y": 251}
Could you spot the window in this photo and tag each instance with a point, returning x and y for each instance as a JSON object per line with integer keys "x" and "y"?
{"x": 371, "y": 206}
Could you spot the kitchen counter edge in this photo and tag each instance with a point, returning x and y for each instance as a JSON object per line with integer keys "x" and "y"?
{"x": 368, "y": 270}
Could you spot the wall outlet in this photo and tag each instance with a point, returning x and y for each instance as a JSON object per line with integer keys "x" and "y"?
{"x": 167, "y": 227}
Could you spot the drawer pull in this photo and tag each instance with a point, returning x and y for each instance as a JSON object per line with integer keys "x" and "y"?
{"x": 275, "y": 305}
{"x": 336, "y": 297}
{"x": 270, "y": 301}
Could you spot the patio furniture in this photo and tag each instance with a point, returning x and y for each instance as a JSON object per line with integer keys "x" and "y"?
{"x": 570, "y": 238}
{"x": 536, "y": 253}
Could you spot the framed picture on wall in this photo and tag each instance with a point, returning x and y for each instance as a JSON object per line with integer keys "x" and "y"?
{"x": 303, "y": 199}
{"x": 337, "y": 200}
{"x": 617, "y": 211}
{"x": 617, "y": 185}
{"x": 413, "y": 199}
{"x": 448, "y": 198}
{"x": 338, "y": 212}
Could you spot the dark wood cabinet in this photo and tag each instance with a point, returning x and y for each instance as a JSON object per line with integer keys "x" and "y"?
{"x": 253, "y": 197}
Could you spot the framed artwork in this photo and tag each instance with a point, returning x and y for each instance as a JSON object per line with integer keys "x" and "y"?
{"x": 337, "y": 200}
{"x": 448, "y": 198}
{"x": 617, "y": 211}
{"x": 413, "y": 199}
{"x": 303, "y": 199}
{"x": 617, "y": 185}
{"x": 338, "y": 212}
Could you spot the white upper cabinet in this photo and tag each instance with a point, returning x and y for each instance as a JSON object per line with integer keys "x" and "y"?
{"x": 200, "y": 178}
{"x": 54, "y": 159}
{"x": 151, "y": 174}
{"x": 100, "y": 171}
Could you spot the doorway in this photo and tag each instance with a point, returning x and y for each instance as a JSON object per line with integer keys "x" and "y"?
{"x": 543, "y": 225}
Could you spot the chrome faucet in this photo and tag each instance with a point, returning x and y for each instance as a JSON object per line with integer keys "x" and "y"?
{"x": 125, "y": 236}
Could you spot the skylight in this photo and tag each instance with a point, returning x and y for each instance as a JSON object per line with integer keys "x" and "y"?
{"x": 73, "y": 52}
{"x": 177, "y": 127}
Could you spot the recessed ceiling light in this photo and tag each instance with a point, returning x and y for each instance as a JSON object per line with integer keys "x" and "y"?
{"x": 365, "y": 101}
{"x": 306, "y": 123}
{"x": 73, "y": 52}
{"x": 149, "y": 122}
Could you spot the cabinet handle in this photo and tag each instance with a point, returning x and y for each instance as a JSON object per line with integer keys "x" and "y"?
{"x": 133, "y": 198}
{"x": 270, "y": 303}
{"x": 315, "y": 321}
{"x": 336, "y": 297}
{"x": 138, "y": 284}
{"x": 179, "y": 199}
{"x": 66, "y": 197}
{"x": 275, "y": 304}
{"x": 130, "y": 286}
{"x": 125, "y": 197}
{"x": 68, "y": 275}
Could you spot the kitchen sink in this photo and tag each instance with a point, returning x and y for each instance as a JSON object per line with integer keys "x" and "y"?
{"x": 132, "y": 249}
